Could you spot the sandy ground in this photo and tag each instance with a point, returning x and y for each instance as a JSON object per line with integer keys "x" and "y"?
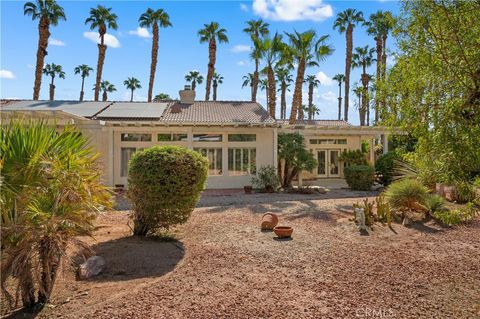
{"x": 223, "y": 266}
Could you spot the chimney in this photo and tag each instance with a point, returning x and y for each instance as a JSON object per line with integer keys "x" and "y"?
{"x": 187, "y": 95}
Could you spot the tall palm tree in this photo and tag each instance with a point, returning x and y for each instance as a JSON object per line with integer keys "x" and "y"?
{"x": 84, "y": 71}
{"x": 48, "y": 12}
{"x": 106, "y": 87}
{"x": 270, "y": 49}
{"x": 263, "y": 85}
{"x": 154, "y": 19}
{"x": 248, "y": 81}
{"x": 132, "y": 84}
{"x": 285, "y": 78}
{"x": 313, "y": 82}
{"x": 161, "y": 97}
{"x": 195, "y": 78}
{"x": 358, "y": 90}
{"x": 101, "y": 18}
{"x": 217, "y": 79}
{"x": 315, "y": 111}
{"x": 339, "y": 78}
{"x": 306, "y": 50}
{"x": 388, "y": 24}
{"x": 256, "y": 28}
{"x": 363, "y": 58}
{"x": 212, "y": 33}
{"x": 52, "y": 70}
{"x": 345, "y": 22}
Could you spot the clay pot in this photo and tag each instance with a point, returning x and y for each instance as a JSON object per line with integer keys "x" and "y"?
{"x": 247, "y": 189}
{"x": 269, "y": 221}
{"x": 283, "y": 231}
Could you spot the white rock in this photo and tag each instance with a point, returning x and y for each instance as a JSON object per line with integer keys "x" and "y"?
{"x": 90, "y": 268}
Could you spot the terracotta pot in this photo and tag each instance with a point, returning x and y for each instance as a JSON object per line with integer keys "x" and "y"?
{"x": 247, "y": 189}
{"x": 269, "y": 221}
{"x": 283, "y": 231}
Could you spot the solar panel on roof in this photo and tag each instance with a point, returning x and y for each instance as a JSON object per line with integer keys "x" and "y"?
{"x": 133, "y": 110}
{"x": 84, "y": 109}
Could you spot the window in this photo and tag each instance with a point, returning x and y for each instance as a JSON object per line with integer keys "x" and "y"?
{"x": 136, "y": 137}
{"x": 241, "y": 161}
{"x": 214, "y": 156}
{"x": 242, "y": 137}
{"x": 328, "y": 141}
{"x": 207, "y": 137}
{"x": 126, "y": 154}
{"x": 171, "y": 137}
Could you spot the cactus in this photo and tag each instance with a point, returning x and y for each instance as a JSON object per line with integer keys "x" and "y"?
{"x": 369, "y": 217}
{"x": 383, "y": 210}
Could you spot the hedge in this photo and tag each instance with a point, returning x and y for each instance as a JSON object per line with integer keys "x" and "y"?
{"x": 359, "y": 177}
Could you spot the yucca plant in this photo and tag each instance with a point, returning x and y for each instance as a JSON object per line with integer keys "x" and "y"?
{"x": 50, "y": 193}
{"x": 406, "y": 194}
{"x": 434, "y": 203}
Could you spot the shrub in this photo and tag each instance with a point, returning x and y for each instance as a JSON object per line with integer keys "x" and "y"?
{"x": 292, "y": 150}
{"x": 465, "y": 192}
{"x": 456, "y": 216}
{"x": 406, "y": 194}
{"x": 385, "y": 166}
{"x": 355, "y": 157}
{"x": 434, "y": 203}
{"x": 360, "y": 177}
{"x": 266, "y": 178}
{"x": 164, "y": 186}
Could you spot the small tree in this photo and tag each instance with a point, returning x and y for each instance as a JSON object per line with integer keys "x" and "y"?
{"x": 164, "y": 186}
{"x": 291, "y": 149}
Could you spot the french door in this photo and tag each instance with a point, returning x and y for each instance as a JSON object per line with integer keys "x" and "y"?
{"x": 328, "y": 163}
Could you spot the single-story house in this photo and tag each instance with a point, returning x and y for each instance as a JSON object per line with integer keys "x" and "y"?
{"x": 236, "y": 136}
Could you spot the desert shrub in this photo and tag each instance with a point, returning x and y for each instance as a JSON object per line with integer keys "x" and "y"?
{"x": 385, "y": 165}
{"x": 434, "y": 203}
{"x": 353, "y": 157}
{"x": 465, "y": 192}
{"x": 292, "y": 150}
{"x": 476, "y": 182}
{"x": 359, "y": 177}
{"x": 164, "y": 186}
{"x": 406, "y": 194}
{"x": 266, "y": 179}
{"x": 456, "y": 216}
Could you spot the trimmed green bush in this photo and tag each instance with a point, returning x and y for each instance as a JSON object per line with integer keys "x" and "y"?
{"x": 406, "y": 194}
{"x": 385, "y": 167}
{"x": 164, "y": 186}
{"x": 353, "y": 157}
{"x": 359, "y": 177}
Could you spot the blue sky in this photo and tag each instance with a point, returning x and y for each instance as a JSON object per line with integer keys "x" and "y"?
{"x": 180, "y": 50}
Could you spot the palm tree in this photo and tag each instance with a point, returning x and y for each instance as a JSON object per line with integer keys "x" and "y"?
{"x": 52, "y": 70}
{"x": 48, "y": 12}
{"x": 358, "y": 90}
{"x": 363, "y": 58}
{"x": 106, "y": 87}
{"x": 132, "y": 84}
{"x": 155, "y": 19}
{"x": 217, "y": 79}
{"x": 263, "y": 85}
{"x": 313, "y": 82}
{"x": 345, "y": 22}
{"x": 339, "y": 78}
{"x": 256, "y": 28}
{"x": 161, "y": 97}
{"x": 306, "y": 50}
{"x": 195, "y": 78}
{"x": 248, "y": 81}
{"x": 101, "y": 18}
{"x": 315, "y": 111}
{"x": 84, "y": 71}
{"x": 270, "y": 49}
{"x": 285, "y": 78}
{"x": 212, "y": 33}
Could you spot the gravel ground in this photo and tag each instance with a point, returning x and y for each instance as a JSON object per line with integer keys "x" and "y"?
{"x": 223, "y": 266}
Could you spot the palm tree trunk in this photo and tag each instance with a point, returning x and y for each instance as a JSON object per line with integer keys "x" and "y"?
{"x": 348, "y": 67}
{"x": 153, "y": 64}
{"x": 339, "y": 101}
{"x": 27, "y": 287}
{"x": 368, "y": 113}
{"x": 43, "y": 35}
{"x": 384, "y": 68}
{"x": 283, "y": 101}
{"x": 271, "y": 91}
{"x": 194, "y": 84}
{"x": 131, "y": 96}
{"x": 215, "y": 91}
{"x": 50, "y": 261}
{"x": 297, "y": 94}
{"x": 310, "y": 101}
{"x": 378, "y": 41}
{"x": 212, "y": 49}
{"x": 81, "y": 91}
{"x": 364, "y": 106}
{"x": 52, "y": 90}
{"x": 104, "y": 96}
{"x": 255, "y": 82}
{"x": 102, "y": 48}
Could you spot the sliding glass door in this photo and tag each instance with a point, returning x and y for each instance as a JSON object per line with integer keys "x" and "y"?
{"x": 328, "y": 163}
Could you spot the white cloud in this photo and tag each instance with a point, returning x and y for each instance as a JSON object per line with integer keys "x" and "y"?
{"x": 292, "y": 10}
{"x": 56, "y": 42}
{"x": 242, "y": 63}
{"x": 110, "y": 40}
{"x": 6, "y": 74}
{"x": 329, "y": 96}
{"x": 240, "y": 48}
{"x": 324, "y": 79}
{"x": 141, "y": 32}
{"x": 243, "y": 7}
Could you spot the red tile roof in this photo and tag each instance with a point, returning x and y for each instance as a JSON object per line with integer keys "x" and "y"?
{"x": 317, "y": 122}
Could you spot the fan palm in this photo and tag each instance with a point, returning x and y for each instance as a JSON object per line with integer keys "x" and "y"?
{"x": 313, "y": 82}
{"x": 132, "y": 84}
{"x": 154, "y": 19}
{"x": 285, "y": 78}
{"x": 248, "y": 81}
{"x": 84, "y": 71}
{"x": 357, "y": 90}
{"x": 212, "y": 33}
{"x": 363, "y": 58}
{"x": 256, "y": 28}
{"x": 339, "y": 78}
{"x": 315, "y": 111}
{"x": 48, "y": 12}
{"x": 345, "y": 22}
{"x": 195, "y": 78}
{"x": 50, "y": 194}
{"x": 52, "y": 70}
{"x": 106, "y": 87}
{"x": 161, "y": 97}
{"x": 101, "y": 18}
{"x": 306, "y": 50}
{"x": 263, "y": 85}
{"x": 217, "y": 79}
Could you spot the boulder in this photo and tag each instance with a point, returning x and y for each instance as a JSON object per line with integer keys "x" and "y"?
{"x": 91, "y": 267}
